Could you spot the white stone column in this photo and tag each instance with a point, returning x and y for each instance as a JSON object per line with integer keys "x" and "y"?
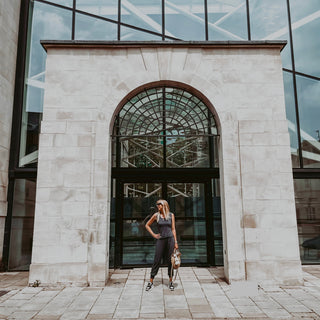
{"x": 9, "y": 26}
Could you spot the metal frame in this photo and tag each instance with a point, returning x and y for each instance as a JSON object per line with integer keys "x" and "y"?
{"x": 209, "y": 218}
{"x": 157, "y": 112}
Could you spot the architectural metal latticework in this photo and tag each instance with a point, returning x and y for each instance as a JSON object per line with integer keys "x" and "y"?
{"x": 165, "y": 127}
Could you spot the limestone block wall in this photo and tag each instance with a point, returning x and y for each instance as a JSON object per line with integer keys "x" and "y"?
{"x": 9, "y": 25}
{"x": 84, "y": 87}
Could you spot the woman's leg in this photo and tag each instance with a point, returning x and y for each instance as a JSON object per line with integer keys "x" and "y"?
{"x": 170, "y": 248}
{"x": 160, "y": 246}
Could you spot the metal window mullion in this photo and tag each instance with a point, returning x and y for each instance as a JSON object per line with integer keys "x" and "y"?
{"x": 206, "y": 19}
{"x": 302, "y": 74}
{"x": 119, "y": 19}
{"x": 295, "y": 86}
{"x": 211, "y": 145}
{"x": 73, "y": 20}
{"x": 164, "y": 127}
{"x": 118, "y": 144}
{"x": 163, "y": 19}
{"x": 248, "y": 20}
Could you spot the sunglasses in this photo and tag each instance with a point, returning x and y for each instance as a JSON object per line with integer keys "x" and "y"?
{"x": 159, "y": 204}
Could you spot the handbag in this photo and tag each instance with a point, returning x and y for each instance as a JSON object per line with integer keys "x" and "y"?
{"x": 175, "y": 258}
{"x": 175, "y": 261}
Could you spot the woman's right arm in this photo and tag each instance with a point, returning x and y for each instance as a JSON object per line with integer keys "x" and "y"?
{"x": 148, "y": 226}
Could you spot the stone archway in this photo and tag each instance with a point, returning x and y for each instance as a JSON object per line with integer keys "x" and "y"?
{"x": 85, "y": 82}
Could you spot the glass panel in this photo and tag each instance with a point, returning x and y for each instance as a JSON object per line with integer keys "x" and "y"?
{"x": 184, "y": 19}
{"x": 22, "y": 224}
{"x": 48, "y": 22}
{"x": 187, "y": 152}
{"x": 104, "y": 8}
{"x": 129, "y": 34}
{"x": 227, "y": 20}
{"x": 291, "y": 117}
{"x": 187, "y": 202}
{"x": 144, "y": 152}
{"x": 143, "y": 114}
{"x": 67, "y": 3}
{"x": 138, "y": 202}
{"x": 88, "y": 28}
{"x": 305, "y": 18}
{"x": 309, "y": 111}
{"x": 307, "y": 194}
{"x": 269, "y": 21}
{"x": 145, "y": 14}
{"x": 185, "y": 114}
{"x": 218, "y": 251}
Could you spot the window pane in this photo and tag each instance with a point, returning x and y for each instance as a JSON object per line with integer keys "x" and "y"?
{"x": 104, "y": 8}
{"x": 88, "y": 28}
{"x": 227, "y": 20}
{"x": 187, "y": 202}
{"x": 143, "y": 152}
{"x": 269, "y": 21}
{"x": 187, "y": 152}
{"x": 138, "y": 202}
{"x": 184, "y": 19}
{"x": 67, "y": 3}
{"x": 307, "y": 194}
{"x": 129, "y": 34}
{"x": 48, "y": 22}
{"x": 291, "y": 117}
{"x": 22, "y": 224}
{"x": 309, "y": 111}
{"x": 145, "y": 14}
{"x": 305, "y": 16}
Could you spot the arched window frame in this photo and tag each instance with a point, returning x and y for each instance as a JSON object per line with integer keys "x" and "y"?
{"x": 171, "y": 115}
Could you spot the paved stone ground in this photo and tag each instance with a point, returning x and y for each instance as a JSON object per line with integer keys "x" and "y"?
{"x": 200, "y": 293}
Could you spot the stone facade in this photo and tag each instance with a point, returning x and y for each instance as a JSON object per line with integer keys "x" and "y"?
{"x": 9, "y": 25}
{"x": 85, "y": 85}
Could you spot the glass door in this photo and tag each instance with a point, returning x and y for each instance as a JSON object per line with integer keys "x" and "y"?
{"x": 198, "y": 222}
{"x": 138, "y": 203}
{"x": 187, "y": 201}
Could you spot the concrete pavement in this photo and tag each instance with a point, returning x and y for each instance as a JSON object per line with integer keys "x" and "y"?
{"x": 200, "y": 293}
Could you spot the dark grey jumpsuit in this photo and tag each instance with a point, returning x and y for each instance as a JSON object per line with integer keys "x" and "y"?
{"x": 164, "y": 245}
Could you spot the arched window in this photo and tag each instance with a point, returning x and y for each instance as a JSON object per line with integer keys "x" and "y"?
{"x": 165, "y": 127}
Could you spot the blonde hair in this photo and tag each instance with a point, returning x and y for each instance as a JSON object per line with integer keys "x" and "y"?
{"x": 165, "y": 208}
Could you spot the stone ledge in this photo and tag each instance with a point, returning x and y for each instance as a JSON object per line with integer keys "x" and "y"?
{"x": 80, "y": 44}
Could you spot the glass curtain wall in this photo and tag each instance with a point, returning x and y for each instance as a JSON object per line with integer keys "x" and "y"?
{"x": 307, "y": 192}
{"x": 22, "y": 224}
{"x": 296, "y": 21}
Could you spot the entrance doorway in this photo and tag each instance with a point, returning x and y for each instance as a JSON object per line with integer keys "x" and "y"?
{"x": 165, "y": 147}
{"x": 196, "y": 206}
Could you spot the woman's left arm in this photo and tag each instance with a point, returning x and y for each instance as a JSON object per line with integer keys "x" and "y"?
{"x": 173, "y": 226}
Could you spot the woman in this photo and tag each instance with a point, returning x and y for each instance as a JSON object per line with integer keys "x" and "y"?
{"x": 166, "y": 239}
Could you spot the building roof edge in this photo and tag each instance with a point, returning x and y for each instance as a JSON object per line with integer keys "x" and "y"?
{"x": 49, "y": 44}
